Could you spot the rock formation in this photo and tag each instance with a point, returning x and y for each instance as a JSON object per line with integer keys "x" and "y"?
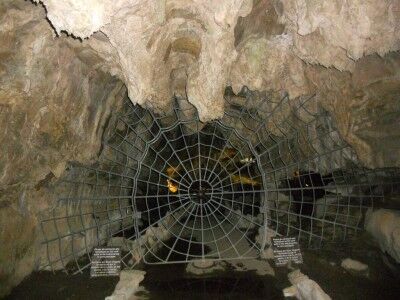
{"x": 384, "y": 226}
{"x": 54, "y": 102}
{"x": 197, "y": 48}
{"x": 61, "y": 79}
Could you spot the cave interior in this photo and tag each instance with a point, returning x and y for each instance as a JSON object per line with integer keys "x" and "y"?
{"x": 193, "y": 136}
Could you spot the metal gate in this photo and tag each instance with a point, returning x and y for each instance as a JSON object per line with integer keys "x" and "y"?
{"x": 169, "y": 188}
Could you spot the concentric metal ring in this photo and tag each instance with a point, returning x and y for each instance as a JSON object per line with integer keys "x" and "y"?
{"x": 173, "y": 189}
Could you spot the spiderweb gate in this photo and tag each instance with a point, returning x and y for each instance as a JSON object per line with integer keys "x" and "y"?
{"x": 169, "y": 189}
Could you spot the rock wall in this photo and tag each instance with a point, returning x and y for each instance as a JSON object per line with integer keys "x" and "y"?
{"x": 54, "y": 102}
{"x": 384, "y": 226}
{"x": 57, "y": 91}
{"x": 365, "y": 106}
{"x": 338, "y": 33}
{"x": 154, "y": 39}
{"x": 340, "y": 51}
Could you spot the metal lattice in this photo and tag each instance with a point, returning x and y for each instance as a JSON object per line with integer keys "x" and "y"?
{"x": 172, "y": 189}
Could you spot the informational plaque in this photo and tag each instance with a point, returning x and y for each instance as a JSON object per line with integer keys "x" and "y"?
{"x": 286, "y": 249}
{"x": 106, "y": 261}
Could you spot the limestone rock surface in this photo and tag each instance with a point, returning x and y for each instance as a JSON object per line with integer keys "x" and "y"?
{"x": 304, "y": 288}
{"x": 338, "y": 33}
{"x": 353, "y": 265}
{"x": 384, "y": 226}
{"x": 127, "y": 285}
{"x": 54, "y": 102}
{"x": 59, "y": 82}
{"x": 340, "y": 51}
{"x": 154, "y": 38}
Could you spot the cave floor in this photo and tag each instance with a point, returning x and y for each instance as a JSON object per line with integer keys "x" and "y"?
{"x": 171, "y": 282}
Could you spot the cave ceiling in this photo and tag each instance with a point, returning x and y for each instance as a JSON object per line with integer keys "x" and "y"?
{"x": 160, "y": 48}
{"x": 344, "y": 52}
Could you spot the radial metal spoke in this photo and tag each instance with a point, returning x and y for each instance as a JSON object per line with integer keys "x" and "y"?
{"x": 174, "y": 189}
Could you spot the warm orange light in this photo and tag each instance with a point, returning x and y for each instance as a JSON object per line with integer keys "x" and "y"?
{"x": 171, "y": 171}
{"x": 173, "y": 187}
{"x": 228, "y": 153}
{"x": 244, "y": 180}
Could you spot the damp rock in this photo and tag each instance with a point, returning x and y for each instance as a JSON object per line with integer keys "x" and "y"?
{"x": 326, "y": 206}
{"x": 279, "y": 202}
{"x": 128, "y": 285}
{"x": 267, "y": 253}
{"x": 59, "y": 95}
{"x": 119, "y": 241}
{"x": 384, "y": 226}
{"x": 205, "y": 267}
{"x": 290, "y": 291}
{"x": 304, "y": 288}
{"x": 244, "y": 221}
{"x": 261, "y": 267}
{"x": 267, "y": 233}
{"x": 353, "y": 265}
